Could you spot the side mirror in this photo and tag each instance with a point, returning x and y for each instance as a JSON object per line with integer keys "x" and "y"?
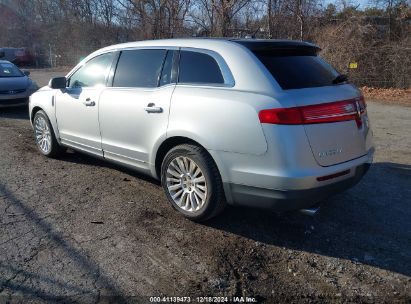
{"x": 58, "y": 83}
{"x": 27, "y": 73}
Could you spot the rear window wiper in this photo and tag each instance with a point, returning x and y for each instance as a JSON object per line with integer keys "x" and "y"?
{"x": 340, "y": 78}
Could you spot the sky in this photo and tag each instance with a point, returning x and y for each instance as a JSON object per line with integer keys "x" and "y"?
{"x": 363, "y": 3}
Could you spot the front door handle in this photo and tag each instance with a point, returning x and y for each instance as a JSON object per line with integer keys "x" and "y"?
{"x": 152, "y": 109}
{"x": 89, "y": 103}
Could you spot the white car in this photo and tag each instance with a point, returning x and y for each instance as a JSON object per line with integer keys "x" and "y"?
{"x": 260, "y": 123}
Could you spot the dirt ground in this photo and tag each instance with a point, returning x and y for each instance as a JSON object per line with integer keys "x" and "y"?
{"x": 78, "y": 229}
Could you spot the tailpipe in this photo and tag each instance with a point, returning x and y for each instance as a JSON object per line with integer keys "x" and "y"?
{"x": 310, "y": 211}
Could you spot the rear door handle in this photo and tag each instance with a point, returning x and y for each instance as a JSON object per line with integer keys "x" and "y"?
{"x": 89, "y": 103}
{"x": 152, "y": 109}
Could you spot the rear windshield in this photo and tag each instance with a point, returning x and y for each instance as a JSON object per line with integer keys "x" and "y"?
{"x": 298, "y": 71}
{"x": 9, "y": 70}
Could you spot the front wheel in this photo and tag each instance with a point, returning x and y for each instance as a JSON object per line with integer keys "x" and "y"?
{"x": 45, "y": 139}
{"x": 192, "y": 183}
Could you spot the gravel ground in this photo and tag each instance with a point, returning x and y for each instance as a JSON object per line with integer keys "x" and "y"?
{"x": 78, "y": 229}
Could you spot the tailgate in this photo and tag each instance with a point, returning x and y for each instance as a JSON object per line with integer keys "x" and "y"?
{"x": 317, "y": 96}
{"x": 338, "y": 141}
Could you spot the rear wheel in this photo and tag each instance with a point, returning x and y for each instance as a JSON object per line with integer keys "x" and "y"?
{"x": 192, "y": 182}
{"x": 45, "y": 139}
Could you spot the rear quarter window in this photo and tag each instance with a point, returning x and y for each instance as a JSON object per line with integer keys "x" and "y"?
{"x": 199, "y": 68}
{"x": 298, "y": 71}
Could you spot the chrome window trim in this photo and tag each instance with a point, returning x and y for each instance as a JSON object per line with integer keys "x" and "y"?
{"x": 173, "y": 48}
{"x": 148, "y": 89}
{"x": 229, "y": 81}
{"x": 225, "y": 70}
{"x": 82, "y": 63}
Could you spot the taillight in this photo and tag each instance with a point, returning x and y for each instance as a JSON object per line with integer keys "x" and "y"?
{"x": 321, "y": 113}
{"x": 285, "y": 116}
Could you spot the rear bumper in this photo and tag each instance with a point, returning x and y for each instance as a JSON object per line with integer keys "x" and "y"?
{"x": 285, "y": 200}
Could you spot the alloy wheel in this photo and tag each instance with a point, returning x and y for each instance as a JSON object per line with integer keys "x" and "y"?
{"x": 186, "y": 184}
{"x": 43, "y": 135}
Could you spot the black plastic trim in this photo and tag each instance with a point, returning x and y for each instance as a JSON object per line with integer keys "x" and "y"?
{"x": 286, "y": 200}
{"x": 110, "y": 77}
{"x": 175, "y": 69}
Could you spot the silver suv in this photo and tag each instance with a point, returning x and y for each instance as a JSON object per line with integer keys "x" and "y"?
{"x": 260, "y": 123}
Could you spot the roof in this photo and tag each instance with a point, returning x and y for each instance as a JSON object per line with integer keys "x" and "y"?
{"x": 237, "y": 54}
{"x": 203, "y": 42}
{"x": 173, "y": 42}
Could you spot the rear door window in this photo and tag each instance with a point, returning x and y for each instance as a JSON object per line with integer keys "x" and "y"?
{"x": 199, "y": 68}
{"x": 298, "y": 71}
{"x": 139, "y": 68}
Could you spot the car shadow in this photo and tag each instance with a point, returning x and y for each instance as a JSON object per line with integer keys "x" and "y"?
{"x": 21, "y": 112}
{"x": 71, "y": 156}
{"x": 368, "y": 224}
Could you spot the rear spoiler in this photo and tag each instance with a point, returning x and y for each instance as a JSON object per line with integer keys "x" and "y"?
{"x": 279, "y": 47}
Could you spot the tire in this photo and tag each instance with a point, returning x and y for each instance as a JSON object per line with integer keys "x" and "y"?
{"x": 189, "y": 174}
{"x": 46, "y": 141}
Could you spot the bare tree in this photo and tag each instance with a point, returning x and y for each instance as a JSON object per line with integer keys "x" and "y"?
{"x": 302, "y": 10}
{"x": 216, "y": 17}
{"x": 389, "y": 6}
{"x": 158, "y": 18}
{"x": 377, "y": 38}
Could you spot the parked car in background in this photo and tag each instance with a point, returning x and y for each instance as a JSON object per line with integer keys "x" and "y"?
{"x": 259, "y": 123}
{"x": 18, "y": 56}
{"x": 15, "y": 85}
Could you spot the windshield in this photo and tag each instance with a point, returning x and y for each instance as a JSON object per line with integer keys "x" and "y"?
{"x": 299, "y": 71}
{"x": 9, "y": 70}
